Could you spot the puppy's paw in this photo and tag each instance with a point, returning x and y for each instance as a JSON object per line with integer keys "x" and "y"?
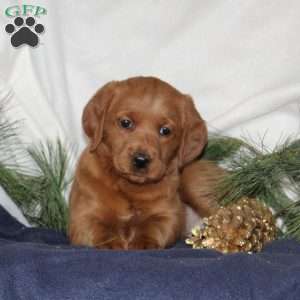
{"x": 112, "y": 244}
{"x": 144, "y": 243}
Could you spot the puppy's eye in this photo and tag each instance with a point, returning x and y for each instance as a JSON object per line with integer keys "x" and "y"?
{"x": 164, "y": 131}
{"x": 126, "y": 123}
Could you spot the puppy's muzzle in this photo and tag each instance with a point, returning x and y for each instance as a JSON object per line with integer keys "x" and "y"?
{"x": 140, "y": 161}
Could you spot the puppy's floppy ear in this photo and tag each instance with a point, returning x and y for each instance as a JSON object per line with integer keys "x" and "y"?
{"x": 194, "y": 137}
{"x": 93, "y": 116}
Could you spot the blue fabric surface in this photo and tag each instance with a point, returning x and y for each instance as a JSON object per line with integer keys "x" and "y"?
{"x": 39, "y": 264}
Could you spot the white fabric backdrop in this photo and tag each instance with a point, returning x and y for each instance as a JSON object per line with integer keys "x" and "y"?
{"x": 240, "y": 60}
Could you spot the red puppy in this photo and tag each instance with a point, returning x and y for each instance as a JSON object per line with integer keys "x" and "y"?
{"x": 125, "y": 195}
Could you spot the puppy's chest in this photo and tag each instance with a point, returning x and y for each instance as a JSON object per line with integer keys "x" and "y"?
{"x": 135, "y": 215}
{"x": 130, "y": 216}
{"x": 133, "y": 221}
{"x": 137, "y": 210}
{"x": 129, "y": 223}
{"x": 141, "y": 209}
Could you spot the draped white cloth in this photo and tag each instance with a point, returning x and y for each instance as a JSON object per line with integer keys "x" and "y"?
{"x": 240, "y": 61}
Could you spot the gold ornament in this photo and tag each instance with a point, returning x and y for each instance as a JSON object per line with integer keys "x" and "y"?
{"x": 244, "y": 226}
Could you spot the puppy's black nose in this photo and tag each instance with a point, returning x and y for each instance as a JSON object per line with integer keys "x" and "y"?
{"x": 141, "y": 160}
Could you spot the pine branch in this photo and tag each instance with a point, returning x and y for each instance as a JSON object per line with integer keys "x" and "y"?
{"x": 259, "y": 176}
{"x": 40, "y": 195}
{"x": 291, "y": 216}
{"x": 21, "y": 188}
{"x": 221, "y": 147}
{"x": 8, "y": 137}
{"x": 52, "y": 165}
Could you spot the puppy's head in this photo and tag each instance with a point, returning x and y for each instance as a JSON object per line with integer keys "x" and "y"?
{"x": 146, "y": 124}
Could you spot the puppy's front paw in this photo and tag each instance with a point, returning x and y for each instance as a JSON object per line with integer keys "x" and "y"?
{"x": 112, "y": 244}
{"x": 144, "y": 243}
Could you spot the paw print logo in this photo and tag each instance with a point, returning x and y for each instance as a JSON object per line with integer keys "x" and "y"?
{"x": 24, "y": 32}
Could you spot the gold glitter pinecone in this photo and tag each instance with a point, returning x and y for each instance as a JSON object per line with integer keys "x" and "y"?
{"x": 246, "y": 225}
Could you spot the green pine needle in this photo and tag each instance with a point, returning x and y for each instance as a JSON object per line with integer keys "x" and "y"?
{"x": 52, "y": 165}
{"x": 8, "y": 137}
{"x": 21, "y": 188}
{"x": 291, "y": 216}
{"x": 259, "y": 176}
{"x": 40, "y": 192}
{"x": 40, "y": 195}
{"x": 221, "y": 147}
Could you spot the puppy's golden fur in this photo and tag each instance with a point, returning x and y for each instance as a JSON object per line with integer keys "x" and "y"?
{"x": 128, "y": 191}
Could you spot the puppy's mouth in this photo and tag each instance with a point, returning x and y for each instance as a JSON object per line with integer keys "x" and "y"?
{"x": 140, "y": 177}
{"x": 135, "y": 178}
